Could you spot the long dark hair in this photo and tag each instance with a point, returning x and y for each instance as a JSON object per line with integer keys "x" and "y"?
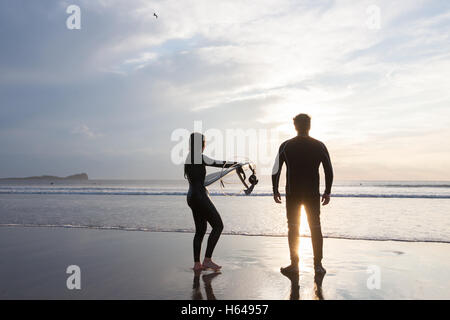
{"x": 196, "y": 143}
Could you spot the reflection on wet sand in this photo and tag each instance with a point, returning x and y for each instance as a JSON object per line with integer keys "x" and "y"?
{"x": 318, "y": 279}
{"x": 207, "y": 279}
{"x": 295, "y": 287}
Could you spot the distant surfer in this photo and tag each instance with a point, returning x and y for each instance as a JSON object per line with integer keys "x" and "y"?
{"x": 303, "y": 156}
{"x": 203, "y": 210}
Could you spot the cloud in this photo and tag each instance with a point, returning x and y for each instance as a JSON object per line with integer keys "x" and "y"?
{"x": 85, "y": 131}
{"x": 135, "y": 78}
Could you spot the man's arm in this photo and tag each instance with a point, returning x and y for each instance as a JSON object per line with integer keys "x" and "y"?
{"x": 328, "y": 168}
{"x": 276, "y": 172}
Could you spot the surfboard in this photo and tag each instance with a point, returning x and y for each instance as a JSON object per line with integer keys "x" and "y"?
{"x": 215, "y": 176}
{"x": 249, "y": 185}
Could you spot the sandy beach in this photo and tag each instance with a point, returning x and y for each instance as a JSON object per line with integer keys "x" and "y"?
{"x": 156, "y": 265}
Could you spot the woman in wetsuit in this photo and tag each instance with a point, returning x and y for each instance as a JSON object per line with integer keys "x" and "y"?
{"x": 198, "y": 200}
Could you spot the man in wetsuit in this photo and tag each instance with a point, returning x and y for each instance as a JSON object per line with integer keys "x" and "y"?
{"x": 303, "y": 156}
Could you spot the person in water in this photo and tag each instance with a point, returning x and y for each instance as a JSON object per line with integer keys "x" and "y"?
{"x": 203, "y": 210}
{"x": 303, "y": 156}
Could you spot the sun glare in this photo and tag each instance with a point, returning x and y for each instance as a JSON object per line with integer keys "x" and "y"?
{"x": 305, "y": 247}
{"x": 304, "y": 227}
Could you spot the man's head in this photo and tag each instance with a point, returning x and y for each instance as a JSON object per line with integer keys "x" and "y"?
{"x": 302, "y": 123}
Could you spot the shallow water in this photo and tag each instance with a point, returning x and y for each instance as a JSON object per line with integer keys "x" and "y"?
{"x": 390, "y": 218}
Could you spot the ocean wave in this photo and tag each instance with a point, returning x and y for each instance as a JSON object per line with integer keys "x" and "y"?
{"x": 151, "y": 229}
{"x": 126, "y": 192}
{"x": 445, "y": 186}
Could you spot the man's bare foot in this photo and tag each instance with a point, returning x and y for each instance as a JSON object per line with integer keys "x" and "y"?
{"x": 208, "y": 264}
{"x": 197, "y": 266}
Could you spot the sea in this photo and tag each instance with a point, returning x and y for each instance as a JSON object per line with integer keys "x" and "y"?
{"x": 414, "y": 211}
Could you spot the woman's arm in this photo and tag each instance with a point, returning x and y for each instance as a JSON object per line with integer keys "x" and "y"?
{"x": 218, "y": 163}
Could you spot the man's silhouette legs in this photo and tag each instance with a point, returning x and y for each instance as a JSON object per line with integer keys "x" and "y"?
{"x": 293, "y": 217}
{"x": 312, "y": 207}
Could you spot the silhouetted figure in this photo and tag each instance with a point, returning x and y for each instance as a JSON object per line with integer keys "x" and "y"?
{"x": 198, "y": 200}
{"x": 155, "y": 15}
{"x": 303, "y": 156}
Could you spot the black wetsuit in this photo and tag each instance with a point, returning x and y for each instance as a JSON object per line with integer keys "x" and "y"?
{"x": 303, "y": 156}
{"x": 202, "y": 207}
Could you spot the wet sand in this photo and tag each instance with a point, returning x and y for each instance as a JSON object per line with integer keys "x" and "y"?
{"x": 157, "y": 265}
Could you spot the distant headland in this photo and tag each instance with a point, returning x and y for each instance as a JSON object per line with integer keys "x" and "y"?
{"x": 79, "y": 176}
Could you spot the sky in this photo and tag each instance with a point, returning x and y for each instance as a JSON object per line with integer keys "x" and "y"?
{"x": 106, "y": 99}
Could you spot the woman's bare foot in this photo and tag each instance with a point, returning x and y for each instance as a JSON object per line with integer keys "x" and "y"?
{"x": 208, "y": 264}
{"x": 198, "y": 266}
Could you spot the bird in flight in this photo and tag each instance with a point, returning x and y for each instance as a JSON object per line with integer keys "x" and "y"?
{"x": 155, "y": 15}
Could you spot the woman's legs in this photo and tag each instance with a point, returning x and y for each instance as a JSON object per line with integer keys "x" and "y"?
{"x": 200, "y": 230}
{"x": 203, "y": 211}
{"x": 213, "y": 218}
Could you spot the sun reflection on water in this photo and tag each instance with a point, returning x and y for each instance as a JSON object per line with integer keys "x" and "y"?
{"x": 305, "y": 245}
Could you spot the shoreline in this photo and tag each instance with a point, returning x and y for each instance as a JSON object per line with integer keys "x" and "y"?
{"x": 13, "y": 225}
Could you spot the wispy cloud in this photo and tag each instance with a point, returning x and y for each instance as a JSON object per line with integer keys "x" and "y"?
{"x": 135, "y": 78}
{"x": 86, "y": 132}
